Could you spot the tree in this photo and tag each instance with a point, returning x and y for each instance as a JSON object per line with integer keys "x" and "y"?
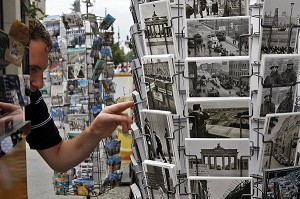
{"x": 33, "y": 11}
{"x": 118, "y": 54}
{"x": 130, "y": 56}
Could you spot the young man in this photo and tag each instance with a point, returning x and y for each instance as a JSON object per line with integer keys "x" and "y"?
{"x": 61, "y": 155}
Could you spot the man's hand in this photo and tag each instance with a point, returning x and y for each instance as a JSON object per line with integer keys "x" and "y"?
{"x": 112, "y": 116}
{"x": 13, "y": 110}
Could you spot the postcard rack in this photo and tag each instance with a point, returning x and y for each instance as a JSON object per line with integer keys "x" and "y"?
{"x": 257, "y": 136}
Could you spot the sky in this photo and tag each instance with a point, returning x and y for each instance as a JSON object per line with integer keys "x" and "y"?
{"x": 119, "y": 9}
{"x": 282, "y": 6}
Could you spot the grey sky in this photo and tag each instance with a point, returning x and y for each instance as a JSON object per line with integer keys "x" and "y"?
{"x": 270, "y": 5}
{"x": 119, "y": 9}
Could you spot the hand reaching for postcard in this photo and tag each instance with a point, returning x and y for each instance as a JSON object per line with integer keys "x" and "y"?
{"x": 112, "y": 116}
{"x": 13, "y": 110}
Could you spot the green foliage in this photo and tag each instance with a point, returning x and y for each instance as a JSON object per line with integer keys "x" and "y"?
{"x": 130, "y": 56}
{"x": 33, "y": 11}
{"x": 118, "y": 54}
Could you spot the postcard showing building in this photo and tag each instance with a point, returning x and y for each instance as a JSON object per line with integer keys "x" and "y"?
{"x": 228, "y": 77}
{"x": 159, "y": 37}
{"x": 216, "y": 37}
{"x": 217, "y": 157}
{"x": 215, "y": 8}
{"x": 279, "y": 27}
{"x": 162, "y": 91}
{"x": 218, "y": 118}
{"x": 161, "y": 180}
{"x": 220, "y": 187}
{"x": 158, "y": 134}
{"x": 279, "y": 147}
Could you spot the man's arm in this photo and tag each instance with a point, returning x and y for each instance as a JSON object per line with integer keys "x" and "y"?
{"x": 70, "y": 153}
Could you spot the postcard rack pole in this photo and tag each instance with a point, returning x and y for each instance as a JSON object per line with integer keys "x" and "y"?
{"x": 196, "y": 159}
{"x": 265, "y": 142}
{"x": 241, "y": 163}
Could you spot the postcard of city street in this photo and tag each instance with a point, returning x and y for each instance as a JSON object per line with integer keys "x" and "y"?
{"x": 162, "y": 91}
{"x": 158, "y": 132}
{"x": 218, "y": 187}
{"x": 218, "y": 78}
{"x": 215, "y": 37}
{"x": 161, "y": 180}
{"x": 276, "y": 100}
{"x": 279, "y": 27}
{"x": 219, "y": 118}
{"x": 215, "y": 8}
{"x": 217, "y": 157}
{"x": 281, "y": 132}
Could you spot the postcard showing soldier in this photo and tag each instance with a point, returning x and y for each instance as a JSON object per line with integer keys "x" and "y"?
{"x": 218, "y": 77}
{"x": 158, "y": 134}
{"x": 279, "y": 70}
{"x": 277, "y": 100}
{"x": 217, "y": 157}
{"x": 220, "y": 187}
{"x": 280, "y": 144}
{"x": 218, "y": 118}
{"x": 216, "y": 37}
{"x": 215, "y": 8}
{"x": 162, "y": 90}
{"x": 159, "y": 37}
{"x": 279, "y": 27}
{"x": 161, "y": 180}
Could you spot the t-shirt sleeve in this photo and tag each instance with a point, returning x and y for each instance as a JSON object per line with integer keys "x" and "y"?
{"x": 44, "y": 134}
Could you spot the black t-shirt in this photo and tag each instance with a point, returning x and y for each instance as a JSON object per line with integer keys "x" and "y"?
{"x": 44, "y": 134}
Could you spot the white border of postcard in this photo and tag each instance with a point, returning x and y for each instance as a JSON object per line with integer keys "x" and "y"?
{"x": 217, "y": 157}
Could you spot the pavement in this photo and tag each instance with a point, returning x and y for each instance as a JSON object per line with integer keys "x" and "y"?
{"x": 40, "y": 185}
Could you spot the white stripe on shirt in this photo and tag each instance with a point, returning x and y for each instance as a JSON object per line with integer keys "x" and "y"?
{"x": 38, "y": 100}
{"x": 42, "y": 123}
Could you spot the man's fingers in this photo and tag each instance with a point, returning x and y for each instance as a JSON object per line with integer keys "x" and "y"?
{"x": 8, "y": 107}
{"x": 119, "y": 107}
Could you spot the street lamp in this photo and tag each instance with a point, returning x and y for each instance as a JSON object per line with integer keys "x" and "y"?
{"x": 88, "y": 4}
{"x": 290, "y": 29}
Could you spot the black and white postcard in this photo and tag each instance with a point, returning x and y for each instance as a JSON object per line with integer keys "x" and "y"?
{"x": 281, "y": 135}
{"x": 162, "y": 91}
{"x": 137, "y": 74}
{"x": 77, "y": 122}
{"x": 159, "y": 37}
{"x": 216, "y": 37}
{"x": 137, "y": 40}
{"x": 76, "y": 71}
{"x": 217, "y": 157}
{"x": 135, "y": 191}
{"x": 279, "y": 27}
{"x": 280, "y": 70}
{"x": 158, "y": 134}
{"x": 161, "y": 180}
{"x": 72, "y": 20}
{"x": 218, "y": 118}
{"x": 228, "y": 77}
{"x": 276, "y": 100}
{"x": 220, "y": 187}
{"x": 138, "y": 143}
{"x": 283, "y": 181}
{"x": 215, "y": 8}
